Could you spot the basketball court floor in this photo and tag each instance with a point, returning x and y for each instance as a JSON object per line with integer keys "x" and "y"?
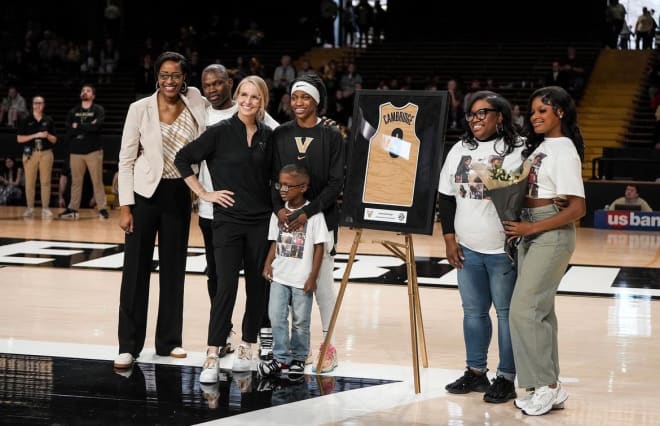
{"x": 59, "y": 296}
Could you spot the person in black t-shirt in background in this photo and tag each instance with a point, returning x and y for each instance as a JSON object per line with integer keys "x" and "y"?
{"x": 37, "y": 136}
{"x": 83, "y": 124}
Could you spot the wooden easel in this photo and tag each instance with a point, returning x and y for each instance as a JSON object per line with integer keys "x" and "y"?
{"x": 406, "y": 253}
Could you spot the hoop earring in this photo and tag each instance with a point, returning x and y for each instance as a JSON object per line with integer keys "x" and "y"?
{"x": 184, "y": 88}
{"x": 157, "y": 85}
{"x": 499, "y": 128}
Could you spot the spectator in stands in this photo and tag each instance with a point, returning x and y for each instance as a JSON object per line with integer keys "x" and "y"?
{"x": 615, "y": 19}
{"x": 349, "y": 80}
{"x": 89, "y": 59}
{"x": 624, "y": 37}
{"x": 284, "y": 111}
{"x": 547, "y": 242}
{"x": 83, "y": 124}
{"x": 328, "y": 15}
{"x": 109, "y": 61}
{"x": 283, "y": 76}
{"x": 556, "y": 77}
{"x": 145, "y": 78}
{"x": 455, "y": 105}
{"x": 305, "y": 67}
{"x": 155, "y": 203}
{"x": 517, "y": 117}
{"x": 575, "y": 73}
{"x": 11, "y": 182}
{"x": 644, "y": 30}
{"x": 14, "y": 107}
{"x": 380, "y": 21}
{"x": 349, "y": 24}
{"x": 631, "y": 198}
{"x": 364, "y": 16}
{"x": 475, "y": 243}
{"x": 37, "y": 135}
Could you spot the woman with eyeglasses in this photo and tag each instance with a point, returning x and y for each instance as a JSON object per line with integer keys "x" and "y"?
{"x": 238, "y": 155}
{"x": 555, "y": 145}
{"x": 155, "y": 202}
{"x": 37, "y": 136}
{"x": 475, "y": 240}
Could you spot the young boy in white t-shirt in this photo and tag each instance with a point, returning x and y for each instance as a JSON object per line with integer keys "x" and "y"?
{"x": 292, "y": 266}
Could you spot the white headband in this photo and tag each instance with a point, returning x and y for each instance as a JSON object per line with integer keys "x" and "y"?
{"x": 307, "y": 88}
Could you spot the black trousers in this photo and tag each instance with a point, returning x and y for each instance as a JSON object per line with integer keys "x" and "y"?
{"x": 166, "y": 214}
{"x": 238, "y": 245}
{"x": 206, "y": 226}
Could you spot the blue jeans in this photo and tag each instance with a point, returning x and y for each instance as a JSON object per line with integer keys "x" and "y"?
{"x": 281, "y": 297}
{"x": 485, "y": 280}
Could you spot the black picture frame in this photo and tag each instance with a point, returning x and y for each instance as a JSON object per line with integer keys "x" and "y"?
{"x": 395, "y": 153}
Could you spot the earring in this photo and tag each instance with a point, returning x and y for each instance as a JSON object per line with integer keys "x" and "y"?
{"x": 499, "y": 128}
{"x": 184, "y": 88}
{"x": 157, "y": 85}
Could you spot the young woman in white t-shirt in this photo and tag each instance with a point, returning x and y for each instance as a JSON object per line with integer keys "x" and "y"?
{"x": 555, "y": 149}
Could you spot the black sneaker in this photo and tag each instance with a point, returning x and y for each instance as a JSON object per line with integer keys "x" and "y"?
{"x": 103, "y": 214}
{"x": 69, "y": 214}
{"x": 502, "y": 390}
{"x": 296, "y": 370}
{"x": 470, "y": 382}
{"x": 270, "y": 368}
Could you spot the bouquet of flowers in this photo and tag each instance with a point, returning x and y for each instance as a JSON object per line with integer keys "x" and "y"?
{"x": 507, "y": 191}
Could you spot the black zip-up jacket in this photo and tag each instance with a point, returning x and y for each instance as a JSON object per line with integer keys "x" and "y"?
{"x": 234, "y": 166}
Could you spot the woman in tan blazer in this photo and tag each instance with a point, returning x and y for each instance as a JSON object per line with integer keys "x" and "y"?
{"x": 154, "y": 201}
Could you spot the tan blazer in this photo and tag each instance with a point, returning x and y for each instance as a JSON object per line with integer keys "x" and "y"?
{"x": 140, "y": 170}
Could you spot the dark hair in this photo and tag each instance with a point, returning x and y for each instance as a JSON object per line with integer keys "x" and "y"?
{"x": 296, "y": 170}
{"x": 507, "y": 132}
{"x": 316, "y": 81}
{"x": 171, "y": 56}
{"x": 557, "y": 98}
{"x": 91, "y": 86}
{"x": 216, "y": 69}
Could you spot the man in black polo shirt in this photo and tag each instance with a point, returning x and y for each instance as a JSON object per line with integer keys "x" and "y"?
{"x": 37, "y": 135}
{"x": 83, "y": 124}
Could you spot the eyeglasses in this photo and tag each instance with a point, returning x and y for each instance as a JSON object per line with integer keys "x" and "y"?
{"x": 177, "y": 76}
{"x": 480, "y": 114}
{"x": 284, "y": 187}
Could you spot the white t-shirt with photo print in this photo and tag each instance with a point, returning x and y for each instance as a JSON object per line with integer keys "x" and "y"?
{"x": 476, "y": 222}
{"x": 294, "y": 250}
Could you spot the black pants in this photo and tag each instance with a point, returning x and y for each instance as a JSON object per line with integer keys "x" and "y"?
{"x": 206, "y": 226}
{"x": 166, "y": 214}
{"x": 238, "y": 245}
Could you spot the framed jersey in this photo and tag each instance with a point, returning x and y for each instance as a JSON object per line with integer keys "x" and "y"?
{"x": 394, "y": 158}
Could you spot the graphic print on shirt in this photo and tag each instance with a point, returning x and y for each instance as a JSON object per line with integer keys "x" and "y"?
{"x": 470, "y": 176}
{"x": 393, "y": 154}
{"x": 532, "y": 179}
{"x": 291, "y": 244}
{"x": 303, "y": 143}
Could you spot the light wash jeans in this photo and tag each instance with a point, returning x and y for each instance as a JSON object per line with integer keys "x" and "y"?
{"x": 486, "y": 280}
{"x": 542, "y": 262}
{"x": 282, "y": 299}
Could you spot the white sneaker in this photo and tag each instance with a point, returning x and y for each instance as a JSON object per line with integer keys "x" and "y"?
{"x": 242, "y": 359}
{"x": 178, "y": 353}
{"x": 46, "y": 214}
{"x": 210, "y": 370}
{"x": 543, "y": 400}
{"x": 124, "y": 361}
{"x": 520, "y": 403}
{"x": 558, "y": 404}
{"x": 28, "y": 212}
